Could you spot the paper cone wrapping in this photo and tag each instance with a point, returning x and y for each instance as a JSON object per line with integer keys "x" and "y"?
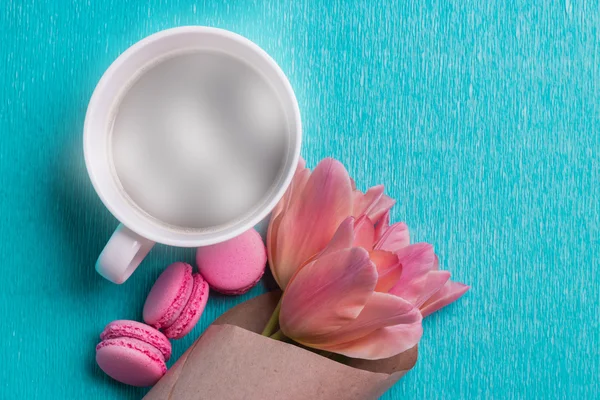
{"x": 232, "y": 361}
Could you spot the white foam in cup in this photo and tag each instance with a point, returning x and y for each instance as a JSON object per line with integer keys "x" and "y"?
{"x": 191, "y": 137}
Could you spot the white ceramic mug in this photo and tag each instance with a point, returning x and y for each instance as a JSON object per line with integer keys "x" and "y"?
{"x": 138, "y": 232}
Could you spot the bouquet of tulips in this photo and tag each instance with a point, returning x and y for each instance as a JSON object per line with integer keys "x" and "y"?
{"x": 349, "y": 315}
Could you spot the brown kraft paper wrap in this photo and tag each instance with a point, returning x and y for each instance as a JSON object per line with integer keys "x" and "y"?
{"x": 232, "y": 361}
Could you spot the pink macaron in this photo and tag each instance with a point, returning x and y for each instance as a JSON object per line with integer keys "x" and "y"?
{"x": 235, "y": 266}
{"x": 133, "y": 353}
{"x": 176, "y": 301}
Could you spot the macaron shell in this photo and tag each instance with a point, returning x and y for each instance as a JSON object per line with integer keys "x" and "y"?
{"x": 168, "y": 296}
{"x": 192, "y": 311}
{"x": 137, "y": 330}
{"x": 130, "y": 361}
{"x": 243, "y": 290}
{"x": 234, "y": 266}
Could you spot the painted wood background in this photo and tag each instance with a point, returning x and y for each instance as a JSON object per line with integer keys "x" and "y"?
{"x": 480, "y": 117}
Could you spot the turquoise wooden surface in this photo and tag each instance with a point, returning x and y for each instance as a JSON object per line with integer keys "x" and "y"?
{"x": 481, "y": 118}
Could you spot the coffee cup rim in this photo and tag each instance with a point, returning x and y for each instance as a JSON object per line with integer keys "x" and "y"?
{"x": 97, "y": 119}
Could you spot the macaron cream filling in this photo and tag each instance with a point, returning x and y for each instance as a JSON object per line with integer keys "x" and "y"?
{"x": 139, "y": 331}
{"x": 192, "y": 310}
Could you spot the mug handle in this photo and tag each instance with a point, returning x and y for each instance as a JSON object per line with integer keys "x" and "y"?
{"x": 122, "y": 254}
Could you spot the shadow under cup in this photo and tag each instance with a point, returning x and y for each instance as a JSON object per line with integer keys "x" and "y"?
{"x": 191, "y": 138}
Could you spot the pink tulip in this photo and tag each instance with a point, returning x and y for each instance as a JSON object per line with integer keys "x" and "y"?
{"x": 311, "y": 210}
{"x": 353, "y": 284}
{"x": 339, "y": 302}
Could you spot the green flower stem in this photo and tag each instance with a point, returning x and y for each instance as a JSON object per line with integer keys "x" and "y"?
{"x": 273, "y": 321}
{"x": 280, "y": 336}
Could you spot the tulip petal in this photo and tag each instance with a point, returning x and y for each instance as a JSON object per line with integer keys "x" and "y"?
{"x": 394, "y": 238}
{"x": 416, "y": 259}
{"x": 327, "y": 294}
{"x": 312, "y": 219}
{"x": 389, "y": 269}
{"x": 342, "y": 239}
{"x": 382, "y": 343}
{"x": 294, "y": 190}
{"x": 364, "y": 201}
{"x": 417, "y": 291}
{"x": 380, "y": 310}
{"x": 364, "y": 233}
{"x": 301, "y": 163}
{"x": 382, "y": 225}
{"x": 384, "y": 205}
{"x": 367, "y": 337}
{"x": 298, "y": 184}
{"x": 373, "y": 203}
{"x": 446, "y": 295}
{"x": 272, "y": 230}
